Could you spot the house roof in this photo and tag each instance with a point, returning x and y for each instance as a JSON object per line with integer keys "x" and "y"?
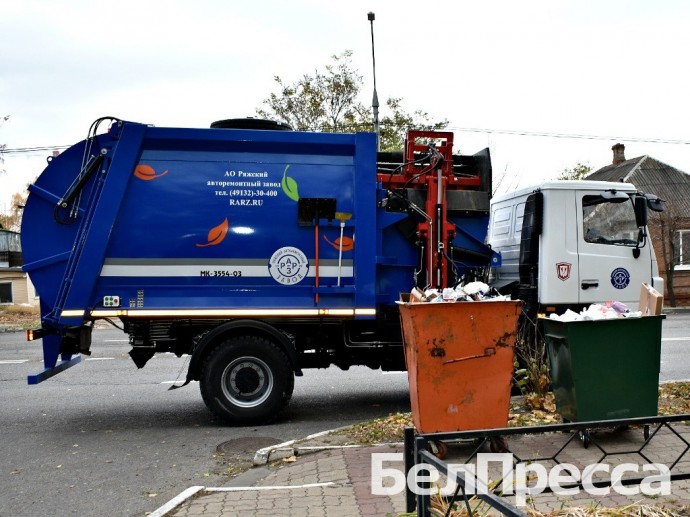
{"x": 651, "y": 176}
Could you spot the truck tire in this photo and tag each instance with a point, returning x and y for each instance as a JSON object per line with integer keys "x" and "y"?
{"x": 246, "y": 380}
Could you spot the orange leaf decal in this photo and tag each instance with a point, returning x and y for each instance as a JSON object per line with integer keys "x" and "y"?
{"x": 348, "y": 244}
{"x": 216, "y": 234}
{"x": 147, "y": 173}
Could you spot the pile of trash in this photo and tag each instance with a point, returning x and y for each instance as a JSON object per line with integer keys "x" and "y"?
{"x": 596, "y": 311}
{"x": 470, "y": 292}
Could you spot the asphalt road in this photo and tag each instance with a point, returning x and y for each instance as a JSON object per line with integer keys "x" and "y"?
{"x": 105, "y": 438}
{"x": 675, "y": 347}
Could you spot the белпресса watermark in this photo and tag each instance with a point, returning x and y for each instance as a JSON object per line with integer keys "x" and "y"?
{"x": 521, "y": 479}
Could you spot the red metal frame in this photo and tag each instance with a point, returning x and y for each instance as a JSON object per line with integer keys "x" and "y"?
{"x": 436, "y": 178}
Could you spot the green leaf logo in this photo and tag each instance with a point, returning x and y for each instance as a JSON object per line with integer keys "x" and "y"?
{"x": 289, "y": 186}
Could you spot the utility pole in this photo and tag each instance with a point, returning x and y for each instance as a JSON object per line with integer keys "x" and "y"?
{"x": 375, "y": 101}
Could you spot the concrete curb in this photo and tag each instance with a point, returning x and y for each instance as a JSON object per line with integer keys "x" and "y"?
{"x": 205, "y": 490}
{"x": 177, "y": 501}
{"x": 287, "y": 449}
{"x": 262, "y": 457}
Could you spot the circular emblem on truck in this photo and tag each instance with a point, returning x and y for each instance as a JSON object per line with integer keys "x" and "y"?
{"x": 288, "y": 265}
{"x": 620, "y": 278}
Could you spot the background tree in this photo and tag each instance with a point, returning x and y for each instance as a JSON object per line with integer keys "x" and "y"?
{"x": 12, "y": 219}
{"x": 394, "y": 126}
{"x": 578, "y": 172}
{"x": 666, "y": 237}
{"x": 327, "y": 101}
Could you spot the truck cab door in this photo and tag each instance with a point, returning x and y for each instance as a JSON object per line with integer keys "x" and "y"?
{"x": 607, "y": 235}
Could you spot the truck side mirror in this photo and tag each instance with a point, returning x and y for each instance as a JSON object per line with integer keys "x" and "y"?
{"x": 641, "y": 211}
{"x": 655, "y": 204}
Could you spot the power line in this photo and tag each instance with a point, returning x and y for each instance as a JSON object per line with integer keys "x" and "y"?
{"x": 514, "y": 132}
{"x": 571, "y": 135}
{"x": 49, "y": 148}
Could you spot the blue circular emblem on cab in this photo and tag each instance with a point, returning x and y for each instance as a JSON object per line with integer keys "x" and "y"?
{"x": 620, "y": 278}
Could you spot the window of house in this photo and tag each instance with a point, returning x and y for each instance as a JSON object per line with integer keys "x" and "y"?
{"x": 5, "y": 292}
{"x": 683, "y": 261}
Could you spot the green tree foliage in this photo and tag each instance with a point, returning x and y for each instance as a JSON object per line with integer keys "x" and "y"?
{"x": 394, "y": 126}
{"x": 578, "y": 172}
{"x": 327, "y": 101}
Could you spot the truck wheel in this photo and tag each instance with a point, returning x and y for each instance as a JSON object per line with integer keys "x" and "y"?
{"x": 246, "y": 380}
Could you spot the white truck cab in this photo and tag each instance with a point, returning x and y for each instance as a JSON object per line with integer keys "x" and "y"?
{"x": 568, "y": 244}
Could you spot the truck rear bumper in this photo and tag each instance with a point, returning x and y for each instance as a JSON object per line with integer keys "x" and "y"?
{"x": 50, "y": 372}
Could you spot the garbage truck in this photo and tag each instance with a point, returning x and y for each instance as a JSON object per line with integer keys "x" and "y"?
{"x": 256, "y": 250}
{"x": 568, "y": 244}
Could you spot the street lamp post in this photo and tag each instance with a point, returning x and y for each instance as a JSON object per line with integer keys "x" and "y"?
{"x": 375, "y": 101}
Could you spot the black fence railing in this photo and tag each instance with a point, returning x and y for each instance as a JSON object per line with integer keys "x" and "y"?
{"x": 659, "y": 439}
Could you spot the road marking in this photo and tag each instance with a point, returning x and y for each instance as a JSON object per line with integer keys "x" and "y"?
{"x": 99, "y": 358}
{"x": 116, "y": 340}
{"x": 675, "y": 339}
{"x": 14, "y": 361}
{"x": 394, "y": 373}
{"x": 175, "y": 382}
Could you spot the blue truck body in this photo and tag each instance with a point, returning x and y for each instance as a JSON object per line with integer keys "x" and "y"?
{"x": 205, "y": 240}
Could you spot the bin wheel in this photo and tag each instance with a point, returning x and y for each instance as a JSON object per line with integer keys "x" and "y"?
{"x": 438, "y": 449}
{"x": 584, "y": 438}
{"x": 645, "y": 432}
{"x": 498, "y": 444}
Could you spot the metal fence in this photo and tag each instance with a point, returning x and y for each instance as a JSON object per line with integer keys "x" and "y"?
{"x": 652, "y": 440}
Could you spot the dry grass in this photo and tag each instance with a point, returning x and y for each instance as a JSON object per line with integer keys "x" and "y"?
{"x": 440, "y": 507}
{"x": 20, "y": 316}
{"x": 674, "y": 399}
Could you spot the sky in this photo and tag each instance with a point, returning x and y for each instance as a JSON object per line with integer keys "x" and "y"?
{"x": 523, "y": 78}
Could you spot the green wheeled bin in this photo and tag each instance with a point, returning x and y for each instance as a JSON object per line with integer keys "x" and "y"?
{"x": 605, "y": 369}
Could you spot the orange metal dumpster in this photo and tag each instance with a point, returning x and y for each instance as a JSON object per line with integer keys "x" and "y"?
{"x": 460, "y": 363}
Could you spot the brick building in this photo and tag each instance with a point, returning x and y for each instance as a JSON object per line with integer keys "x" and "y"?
{"x": 670, "y": 231}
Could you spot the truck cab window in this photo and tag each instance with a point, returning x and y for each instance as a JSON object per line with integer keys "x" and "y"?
{"x": 609, "y": 222}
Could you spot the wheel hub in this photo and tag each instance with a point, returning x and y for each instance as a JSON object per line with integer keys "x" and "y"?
{"x": 247, "y": 382}
{"x": 247, "y": 379}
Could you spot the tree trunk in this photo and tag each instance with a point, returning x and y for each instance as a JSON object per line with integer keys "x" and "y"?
{"x": 668, "y": 246}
